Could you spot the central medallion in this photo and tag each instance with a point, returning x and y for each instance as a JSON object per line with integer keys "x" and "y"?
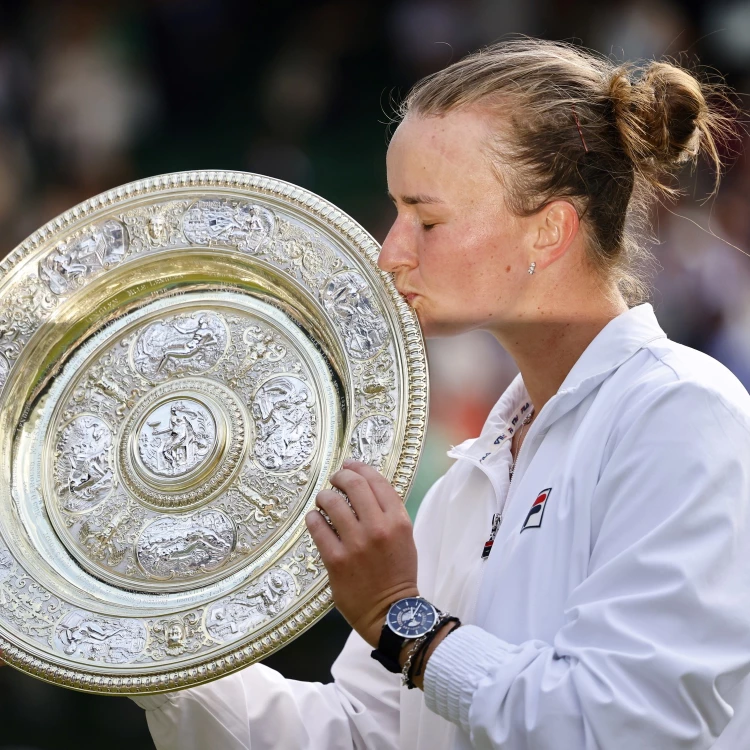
{"x": 182, "y": 443}
{"x": 176, "y": 438}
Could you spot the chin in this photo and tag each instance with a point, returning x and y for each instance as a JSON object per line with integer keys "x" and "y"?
{"x": 436, "y": 328}
{"x": 432, "y": 329}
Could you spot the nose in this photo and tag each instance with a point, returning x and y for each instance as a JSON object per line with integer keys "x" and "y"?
{"x": 398, "y": 249}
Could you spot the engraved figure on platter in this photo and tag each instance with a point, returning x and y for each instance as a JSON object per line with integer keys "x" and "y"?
{"x": 176, "y": 635}
{"x": 347, "y": 297}
{"x": 283, "y": 413}
{"x": 99, "y": 246}
{"x": 182, "y": 443}
{"x": 231, "y": 618}
{"x": 155, "y": 226}
{"x": 191, "y": 343}
{"x": 200, "y": 336}
{"x": 100, "y": 639}
{"x": 372, "y": 440}
{"x": 182, "y": 546}
{"x": 84, "y": 463}
{"x": 219, "y": 221}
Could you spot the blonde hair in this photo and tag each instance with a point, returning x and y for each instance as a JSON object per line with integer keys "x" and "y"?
{"x": 571, "y": 124}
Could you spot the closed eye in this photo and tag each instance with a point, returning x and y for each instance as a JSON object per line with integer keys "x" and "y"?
{"x": 427, "y": 227}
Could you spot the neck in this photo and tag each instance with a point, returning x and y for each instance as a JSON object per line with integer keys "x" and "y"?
{"x": 545, "y": 346}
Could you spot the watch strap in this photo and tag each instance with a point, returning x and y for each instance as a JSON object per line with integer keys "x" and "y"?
{"x": 389, "y": 649}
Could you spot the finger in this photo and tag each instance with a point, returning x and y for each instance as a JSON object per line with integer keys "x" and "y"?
{"x": 388, "y": 499}
{"x": 322, "y": 534}
{"x": 360, "y": 494}
{"x": 338, "y": 510}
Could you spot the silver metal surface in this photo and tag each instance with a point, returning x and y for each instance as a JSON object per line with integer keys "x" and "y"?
{"x": 184, "y": 361}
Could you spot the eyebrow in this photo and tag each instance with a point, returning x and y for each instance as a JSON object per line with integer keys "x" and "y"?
{"x": 413, "y": 200}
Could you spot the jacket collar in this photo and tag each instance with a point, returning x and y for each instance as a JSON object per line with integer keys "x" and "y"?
{"x": 614, "y": 345}
{"x": 617, "y": 342}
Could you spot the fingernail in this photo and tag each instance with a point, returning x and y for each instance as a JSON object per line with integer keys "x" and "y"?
{"x": 348, "y": 462}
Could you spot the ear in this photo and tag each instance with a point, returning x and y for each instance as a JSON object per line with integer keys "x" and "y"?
{"x": 556, "y": 227}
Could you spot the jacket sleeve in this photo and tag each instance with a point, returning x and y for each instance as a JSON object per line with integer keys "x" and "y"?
{"x": 655, "y": 642}
{"x": 258, "y": 709}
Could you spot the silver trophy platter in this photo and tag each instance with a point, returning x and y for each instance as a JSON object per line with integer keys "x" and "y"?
{"x": 184, "y": 361}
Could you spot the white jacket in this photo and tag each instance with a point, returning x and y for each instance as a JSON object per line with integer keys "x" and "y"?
{"x": 616, "y": 617}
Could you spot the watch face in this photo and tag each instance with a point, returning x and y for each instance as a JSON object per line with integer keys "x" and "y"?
{"x": 411, "y": 617}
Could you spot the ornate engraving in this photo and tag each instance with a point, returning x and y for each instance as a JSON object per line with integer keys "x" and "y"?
{"x": 259, "y": 503}
{"x": 256, "y": 353}
{"x": 83, "y": 463}
{"x": 262, "y": 344}
{"x": 305, "y": 252}
{"x": 95, "y": 248}
{"x": 156, "y": 226}
{"x": 180, "y": 344}
{"x": 107, "y": 534}
{"x": 110, "y": 388}
{"x": 176, "y": 437}
{"x": 239, "y": 224}
{"x": 304, "y": 563}
{"x": 24, "y": 604}
{"x": 179, "y": 546}
{"x": 234, "y": 616}
{"x": 176, "y": 636}
{"x": 376, "y": 382}
{"x": 7, "y": 565}
{"x": 372, "y": 440}
{"x": 284, "y": 418}
{"x": 103, "y": 639}
{"x": 348, "y": 299}
{"x": 25, "y": 306}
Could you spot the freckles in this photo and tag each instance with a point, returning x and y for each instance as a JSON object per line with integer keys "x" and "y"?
{"x": 507, "y": 269}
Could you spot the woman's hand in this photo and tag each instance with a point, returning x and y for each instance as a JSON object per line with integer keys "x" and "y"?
{"x": 372, "y": 562}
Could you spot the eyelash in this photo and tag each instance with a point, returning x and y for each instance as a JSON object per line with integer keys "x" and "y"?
{"x": 427, "y": 227}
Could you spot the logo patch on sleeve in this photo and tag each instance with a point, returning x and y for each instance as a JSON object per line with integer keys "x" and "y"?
{"x": 534, "y": 518}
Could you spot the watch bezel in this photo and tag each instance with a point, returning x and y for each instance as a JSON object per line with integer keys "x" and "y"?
{"x": 411, "y": 633}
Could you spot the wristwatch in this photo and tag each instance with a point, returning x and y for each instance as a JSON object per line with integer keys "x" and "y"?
{"x": 407, "y": 619}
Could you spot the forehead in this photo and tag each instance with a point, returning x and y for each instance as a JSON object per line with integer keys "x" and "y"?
{"x": 450, "y": 149}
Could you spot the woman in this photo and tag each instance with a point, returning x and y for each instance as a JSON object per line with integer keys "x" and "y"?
{"x": 603, "y": 591}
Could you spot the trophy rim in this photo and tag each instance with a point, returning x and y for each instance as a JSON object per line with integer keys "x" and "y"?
{"x": 318, "y": 600}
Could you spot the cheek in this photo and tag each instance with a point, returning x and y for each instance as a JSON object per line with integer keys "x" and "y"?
{"x": 479, "y": 261}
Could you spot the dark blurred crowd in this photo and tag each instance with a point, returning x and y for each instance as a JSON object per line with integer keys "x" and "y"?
{"x": 97, "y": 93}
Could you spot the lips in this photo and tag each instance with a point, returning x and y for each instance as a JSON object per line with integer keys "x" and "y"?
{"x": 409, "y": 296}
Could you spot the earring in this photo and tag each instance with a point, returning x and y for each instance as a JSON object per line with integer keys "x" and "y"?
{"x": 532, "y": 268}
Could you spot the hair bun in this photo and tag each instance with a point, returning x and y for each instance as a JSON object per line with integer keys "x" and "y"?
{"x": 664, "y": 119}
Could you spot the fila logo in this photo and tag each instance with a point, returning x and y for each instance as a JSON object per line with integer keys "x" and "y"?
{"x": 534, "y": 518}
